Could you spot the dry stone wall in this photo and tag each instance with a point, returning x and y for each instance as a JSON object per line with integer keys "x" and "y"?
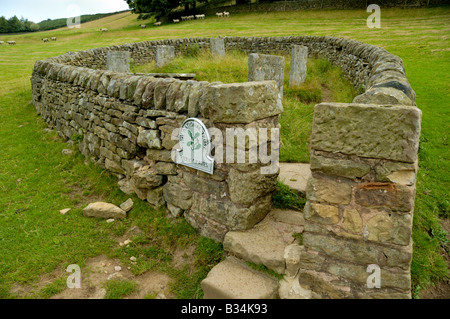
{"x": 363, "y": 154}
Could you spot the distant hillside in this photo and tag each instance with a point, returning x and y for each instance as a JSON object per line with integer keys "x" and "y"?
{"x": 62, "y": 22}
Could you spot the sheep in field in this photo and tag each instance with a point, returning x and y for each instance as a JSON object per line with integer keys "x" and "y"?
{"x": 176, "y": 21}
{"x": 11, "y": 42}
{"x": 104, "y": 30}
{"x": 219, "y": 14}
{"x": 45, "y": 39}
{"x": 143, "y": 26}
{"x": 53, "y": 38}
{"x": 158, "y": 23}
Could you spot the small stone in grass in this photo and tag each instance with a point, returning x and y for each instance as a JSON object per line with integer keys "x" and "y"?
{"x": 110, "y": 220}
{"x": 117, "y": 268}
{"x": 64, "y": 211}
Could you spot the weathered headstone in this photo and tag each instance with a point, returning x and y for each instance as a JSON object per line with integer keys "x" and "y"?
{"x": 217, "y": 46}
{"x": 262, "y": 67}
{"x": 299, "y": 57}
{"x": 118, "y": 61}
{"x": 164, "y": 54}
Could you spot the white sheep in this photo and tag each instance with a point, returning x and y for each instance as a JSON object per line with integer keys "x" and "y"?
{"x": 176, "y": 20}
{"x": 53, "y": 38}
{"x": 226, "y": 14}
{"x": 104, "y": 30}
{"x": 11, "y": 42}
{"x": 143, "y": 26}
{"x": 183, "y": 18}
{"x": 199, "y": 16}
{"x": 2, "y": 42}
{"x": 219, "y": 14}
{"x": 158, "y": 23}
{"x": 45, "y": 39}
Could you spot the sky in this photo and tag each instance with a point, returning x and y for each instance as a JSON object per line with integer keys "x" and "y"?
{"x": 38, "y": 10}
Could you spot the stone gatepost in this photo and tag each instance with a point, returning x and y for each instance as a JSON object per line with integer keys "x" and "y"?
{"x": 299, "y": 57}
{"x": 118, "y": 61}
{"x": 164, "y": 55}
{"x": 240, "y": 118}
{"x": 217, "y": 46}
{"x": 359, "y": 213}
{"x": 263, "y": 67}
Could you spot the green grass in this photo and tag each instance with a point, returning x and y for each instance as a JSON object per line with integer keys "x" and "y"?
{"x": 36, "y": 180}
{"x": 117, "y": 289}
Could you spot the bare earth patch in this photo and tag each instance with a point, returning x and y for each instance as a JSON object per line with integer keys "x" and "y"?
{"x": 100, "y": 269}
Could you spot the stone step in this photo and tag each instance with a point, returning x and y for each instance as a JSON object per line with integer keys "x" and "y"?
{"x": 233, "y": 279}
{"x": 266, "y": 242}
{"x": 295, "y": 175}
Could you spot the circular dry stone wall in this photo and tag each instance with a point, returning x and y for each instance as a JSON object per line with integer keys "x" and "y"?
{"x": 358, "y": 217}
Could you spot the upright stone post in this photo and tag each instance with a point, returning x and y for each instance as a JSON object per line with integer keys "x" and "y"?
{"x": 299, "y": 57}
{"x": 262, "y": 67}
{"x": 360, "y": 201}
{"x": 164, "y": 55}
{"x": 118, "y": 61}
{"x": 217, "y": 46}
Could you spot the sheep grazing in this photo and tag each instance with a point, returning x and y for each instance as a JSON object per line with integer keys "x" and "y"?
{"x": 183, "y": 18}
{"x": 176, "y": 21}
{"x": 53, "y": 38}
{"x": 143, "y": 26}
{"x": 11, "y": 42}
{"x": 158, "y": 23}
{"x": 104, "y": 30}
{"x": 226, "y": 14}
{"x": 45, "y": 39}
{"x": 199, "y": 16}
{"x": 2, "y": 42}
{"x": 219, "y": 14}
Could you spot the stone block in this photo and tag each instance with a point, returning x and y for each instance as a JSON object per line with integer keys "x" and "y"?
{"x": 324, "y": 214}
{"x": 217, "y": 46}
{"x": 118, "y": 61}
{"x": 299, "y": 58}
{"x": 164, "y": 55}
{"x": 241, "y": 102}
{"x": 385, "y": 195}
{"x": 263, "y": 67}
{"x": 367, "y": 130}
{"x": 329, "y": 190}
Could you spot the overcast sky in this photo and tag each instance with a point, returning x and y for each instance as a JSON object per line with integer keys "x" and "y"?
{"x": 39, "y": 10}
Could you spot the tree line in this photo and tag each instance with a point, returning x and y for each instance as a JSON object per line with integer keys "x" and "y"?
{"x": 16, "y": 25}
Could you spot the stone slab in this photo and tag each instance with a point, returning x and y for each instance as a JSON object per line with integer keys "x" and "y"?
{"x": 295, "y": 175}
{"x": 233, "y": 279}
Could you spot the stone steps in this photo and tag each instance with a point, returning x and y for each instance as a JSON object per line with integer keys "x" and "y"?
{"x": 265, "y": 243}
{"x": 269, "y": 243}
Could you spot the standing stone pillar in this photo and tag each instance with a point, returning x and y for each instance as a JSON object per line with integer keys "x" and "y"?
{"x": 164, "y": 55}
{"x": 299, "y": 57}
{"x": 217, "y": 46}
{"x": 262, "y": 67}
{"x": 118, "y": 61}
{"x": 359, "y": 213}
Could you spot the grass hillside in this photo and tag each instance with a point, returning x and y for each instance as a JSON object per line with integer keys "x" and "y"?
{"x": 36, "y": 180}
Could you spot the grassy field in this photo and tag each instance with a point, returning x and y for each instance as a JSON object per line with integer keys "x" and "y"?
{"x": 36, "y": 180}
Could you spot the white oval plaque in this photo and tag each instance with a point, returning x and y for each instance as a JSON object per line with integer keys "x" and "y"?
{"x": 195, "y": 144}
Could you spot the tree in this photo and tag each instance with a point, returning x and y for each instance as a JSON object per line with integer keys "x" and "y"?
{"x": 4, "y": 25}
{"x": 34, "y": 27}
{"x": 15, "y": 25}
